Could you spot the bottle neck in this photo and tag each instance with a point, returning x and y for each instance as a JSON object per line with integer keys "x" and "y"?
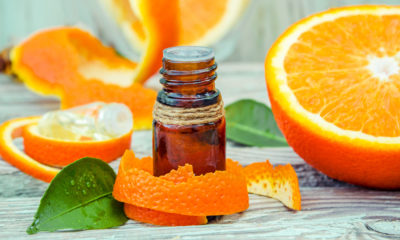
{"x": 188, "y": 84}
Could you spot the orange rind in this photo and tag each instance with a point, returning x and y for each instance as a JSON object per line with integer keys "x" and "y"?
{"x": 71, "y": 64}
{"x": 43, "y": 155}
{"x": 161, "y": 218}
{"x": 200, "y": 23}
{"x": 280, "y": 183}
{"x": 12, "y": 129}
{"x": 59, "y": 153}
{"x": 218, "y": 193}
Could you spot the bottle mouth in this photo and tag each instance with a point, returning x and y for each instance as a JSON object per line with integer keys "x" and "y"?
{"x": 188, "y": 54}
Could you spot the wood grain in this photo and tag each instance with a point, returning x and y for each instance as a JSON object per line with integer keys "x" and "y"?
{"x": 328, "y": 213}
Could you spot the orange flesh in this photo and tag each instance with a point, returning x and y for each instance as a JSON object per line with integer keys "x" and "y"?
{"x": 333, "y": 78}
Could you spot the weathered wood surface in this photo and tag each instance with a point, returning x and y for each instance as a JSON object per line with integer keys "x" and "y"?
{"x": 331, "y": 209}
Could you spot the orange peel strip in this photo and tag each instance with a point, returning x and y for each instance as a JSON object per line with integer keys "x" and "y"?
{"x": 60, "y": 153}
{"x": 161, "y": 218}
{"x": 12, "y": 129}
{"x": 280, "y": 183}
{"x": 218, "y": 193}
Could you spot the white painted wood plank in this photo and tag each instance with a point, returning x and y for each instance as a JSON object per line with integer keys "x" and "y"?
{"x": 328, "y": 213}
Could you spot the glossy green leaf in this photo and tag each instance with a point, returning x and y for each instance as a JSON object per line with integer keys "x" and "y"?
{"x": 80, "y": 197}
{"x": 252, "y": 123}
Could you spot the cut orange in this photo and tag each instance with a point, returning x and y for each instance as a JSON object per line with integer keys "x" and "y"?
{"x": 42, "y": 153}
{"x": 280, "y": 183}
{"x": 199, "y": 22}
{"x": 333, "y": 80}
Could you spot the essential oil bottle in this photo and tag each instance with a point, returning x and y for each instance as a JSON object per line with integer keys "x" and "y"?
{"x": 189, "y": 122}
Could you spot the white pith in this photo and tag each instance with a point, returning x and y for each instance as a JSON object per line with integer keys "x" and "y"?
{"x": 383, "y": 67}
{"x": 288, "y": 98}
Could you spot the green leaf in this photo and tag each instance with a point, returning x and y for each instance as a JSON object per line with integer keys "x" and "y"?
{"x": 252, "y": 123}
{"x": 79, "y": 197}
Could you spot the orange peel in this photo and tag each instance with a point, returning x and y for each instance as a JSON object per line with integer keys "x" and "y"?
{"x": 12, "y": 129}
{"x": 280, "y": 183}
{"x": 161, "y": 218}
{"x": 56, "y": 152}
{"x": 73, "y": 65}
{"x": 42, "y": 154}
{"x": 218, "y": 193}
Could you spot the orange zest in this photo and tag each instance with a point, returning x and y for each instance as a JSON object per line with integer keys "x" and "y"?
{"x": 280, "y": 183}
{"x": 12, "y": 129}
{"x": 180, "y": 192}
{"x": 334, "y": 84}
{"x": 43, "y": 155}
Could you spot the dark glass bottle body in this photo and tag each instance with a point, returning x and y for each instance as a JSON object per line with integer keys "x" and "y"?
{"x": 188, "y": 82}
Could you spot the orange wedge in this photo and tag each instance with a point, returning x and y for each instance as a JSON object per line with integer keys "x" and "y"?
{"x": 280, "y": 183}
{"x": 333, "y": 80}
{"x": 199, "y": 22}
{"x": 42, "y": 153}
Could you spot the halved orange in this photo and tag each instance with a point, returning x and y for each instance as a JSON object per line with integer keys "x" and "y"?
{"x": 333, "y": 79}
{"x": 46, "y": 153}
{"x": 199, "y": 22}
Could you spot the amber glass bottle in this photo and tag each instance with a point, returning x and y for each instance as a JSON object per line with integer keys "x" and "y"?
{"x": 189, "y": 125}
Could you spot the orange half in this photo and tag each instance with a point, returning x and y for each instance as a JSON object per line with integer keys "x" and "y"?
{"x": 333, "y": 80}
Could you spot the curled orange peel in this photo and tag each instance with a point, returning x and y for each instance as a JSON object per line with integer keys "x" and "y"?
{"x": 12, "y": 129}
{"x": 218, "y": 193}
{"x": 41, "y": 154}
{"x": 278, "y": 182}
{"x": 73, "y": 65}
{"x": 56, "y": 152}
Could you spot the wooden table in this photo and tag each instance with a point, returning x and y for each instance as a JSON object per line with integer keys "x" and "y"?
{"x": 330, "y": 209}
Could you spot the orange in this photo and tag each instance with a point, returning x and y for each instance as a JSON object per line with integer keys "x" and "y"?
{"x": 333, "y": 80}
{"x": 45, "y": 153}
{"x": 280, "y": 183}
{"x": 199, "y": 22}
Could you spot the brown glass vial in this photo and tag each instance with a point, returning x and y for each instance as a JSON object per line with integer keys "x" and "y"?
{"x": 189, "y": 124}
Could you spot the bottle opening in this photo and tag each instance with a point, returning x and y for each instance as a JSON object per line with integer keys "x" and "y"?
{"x": 188, "y": 54}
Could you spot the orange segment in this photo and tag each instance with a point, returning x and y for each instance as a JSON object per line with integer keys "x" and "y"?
{"x": 333, "y": 80}
{"x": 198, "y": 22}
{"x": 13, "y": 129}
{"x": 280, "y": 183}
{"x": 161, "y": 218}
{"x": 218, "y": 193}
{"x": 59, "y": 153}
